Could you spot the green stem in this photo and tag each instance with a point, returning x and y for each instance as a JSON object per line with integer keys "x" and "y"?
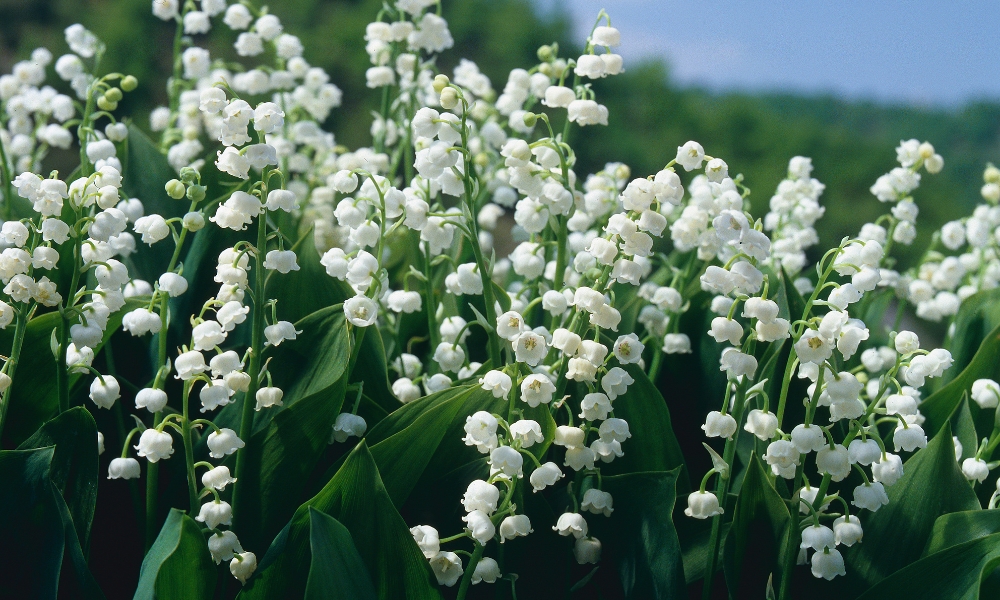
{"x": 654, "y": 369}
{"x": 477, "y": 554}
{"x": 432, "y": 327}
{"x": 791, "y": 554}
{"x": 8, "y": 195}
{"x": 786, "y": 381}
{"x": 11, "y": 365}
{"x": 153, "y": 471}
{"x": 256, "y": 348}
{"x": 722, "y": 490}
{"x": 62, "y": 371}
{"x": 189, "y": 450}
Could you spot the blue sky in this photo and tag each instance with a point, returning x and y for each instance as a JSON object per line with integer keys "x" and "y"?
{"x": 943, "y": 53}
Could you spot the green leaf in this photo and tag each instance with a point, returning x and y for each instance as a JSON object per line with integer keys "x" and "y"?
{"x": 960, "y": 527}
{"x": 653, "y": 445}
{"x": 977, "y": 317}
{"x": 146, "y": 172}
{"x": 939, "y": 407}
{"x": 423, "y": 439}
{"x": 288, "y": 441}
{"x": 283, "y": 455}
{"x": 307, "y": 365}
{"x": 38, "y": 533}
{"x": 965, "y": 430}
{"x": 335, "y": 563}
{"x": 74, "y": 467}
{"x": 303, "y": 292}
{"x": 955, "y": 573}
{"x": 356, "y": 497}
{"x": 760, "y": 522}
{"x": 696, "y": 538}
{"x": 640, "y": 537}
{"x": 178, "y": 565}
{"x": 372, "y": 369}
{"x": 932, "y": 485}
{"x": 404, "y": 455}
{"x": 34, "y": 397}
{"x": 310, "y": 364}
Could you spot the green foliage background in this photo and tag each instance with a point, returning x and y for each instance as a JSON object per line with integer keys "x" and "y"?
{"x": 851, "y": 143}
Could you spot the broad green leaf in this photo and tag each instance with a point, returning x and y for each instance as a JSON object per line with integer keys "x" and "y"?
{"x": 978, "y": 316}
{"x": 960, "y": 527}
{"x": 404, "y": 455}
{"x": 640, "y": 538}
{"x": 755, "y": 544}
{"x": 303, "y": 292}
{"x": 939, "y": 407}
{"x": 796, "y": 303}
{"x": 309, "y": 364}
{"x": 178, "y": 565}
{"x": 932, "y": 485}
{"x": 955, "y": 573}
{"x": 146, "y": 172}
{"x": 406, "y": 414}
{"x": 282, "y": 456}
{"x": 372, "y": 369}
{"x": 965, "y": 430}
{"x": 74, "y": 467}
{"x": 34, "y": 395}
{"x": 423, "y": 439}
{"x": 42, "y": 555}
{"x": 288, "y": 441}
{"x": 355, "y": 497}
{"x": 334, "y": 561}
{"x": 653, "y": 445}
{"x": 695, "y": 536}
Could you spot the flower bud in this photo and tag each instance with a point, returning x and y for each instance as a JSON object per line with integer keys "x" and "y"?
{"x": 196, "y": 193}
{"x": 440, "y": 82}
{"x": 587, "y": 550}
{"x": 571, "y": 524}
{"x": 449, "y": 98}
{"x": 486, "y": 570}
{"x": 104, "y": 103}
{"x": 175, "y": 189}
{"x": 847, "y": 530}
{"x": 702, "y": 505}
{"x": 123, "y": 468}
{"x": 243, "y": 564}
{"x": 193, "y": 221}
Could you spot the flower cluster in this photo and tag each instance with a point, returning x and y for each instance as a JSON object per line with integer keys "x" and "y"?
{"x": 466, "y": 242}
{"x": 883, "y": 389}
{"x": 961, "y": 261}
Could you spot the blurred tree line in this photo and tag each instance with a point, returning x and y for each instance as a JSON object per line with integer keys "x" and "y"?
{"x": 851, "y": 142}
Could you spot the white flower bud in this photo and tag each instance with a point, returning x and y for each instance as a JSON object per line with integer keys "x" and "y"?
{"x": 155, "y": 445}
{"x": 245, "y": 563}
{"x": 703, "y": 505}
{"x": 828, "y": 564}
{"x": 123, "y": 468}
{"x": 348, "y": 425}
{"x": 571, "y": 524}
